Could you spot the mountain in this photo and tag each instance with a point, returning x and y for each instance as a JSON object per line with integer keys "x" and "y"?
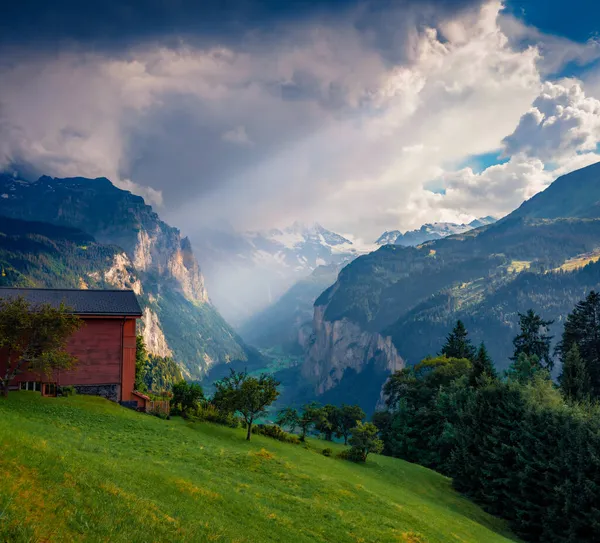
{"x": 430, "y": 231}
{"x": 246, "y": 272}
{"x": 394, "y": 306}
{"x": 280, "y": 324}
{"x": 138, "y": 251}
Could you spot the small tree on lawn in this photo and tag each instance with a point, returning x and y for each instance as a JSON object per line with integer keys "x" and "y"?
{"x": 186, "y": 397}
{"x": 365, "y": 440}
{"x": 329, "y": 421}
{"x": 288, "y": 418}
{"x": 34, "y": 338}
{"x": 311, "y": 415}
{"x": 249, "y": 396}
{"x": 350, "y": 416}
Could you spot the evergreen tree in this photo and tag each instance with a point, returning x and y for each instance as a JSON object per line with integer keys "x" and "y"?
{"x": 458, "y": 345}
{"x": 583, "y": 328}
{"x": 533, "y": 339}
{"x": 524, "y": 369}
{"x": 575, "y": 379}
{"x": 483, "y": 367}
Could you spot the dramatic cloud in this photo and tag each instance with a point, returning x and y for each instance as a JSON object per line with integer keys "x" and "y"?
{"x": 561, "y": 123}
{"x": 347, "y": 120}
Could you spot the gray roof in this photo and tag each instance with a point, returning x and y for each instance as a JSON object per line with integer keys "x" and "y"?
{"x": 82, "y": 302}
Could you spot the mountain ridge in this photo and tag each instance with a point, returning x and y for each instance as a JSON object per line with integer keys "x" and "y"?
{"x": 169, "y": 277}
{"x": 485, "y": 276}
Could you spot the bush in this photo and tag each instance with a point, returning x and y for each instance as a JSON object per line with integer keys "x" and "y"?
{"x": 353, "y": 454}
{"x": 207, "y": 412}
{"x": 161, "y": 414}
{"x": 327, "y": 452}
{"x": 275, "y": 432}
{"x": 67, "y": 391}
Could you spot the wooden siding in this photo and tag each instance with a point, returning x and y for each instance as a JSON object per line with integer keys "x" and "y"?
{"x": 105, "y": 349}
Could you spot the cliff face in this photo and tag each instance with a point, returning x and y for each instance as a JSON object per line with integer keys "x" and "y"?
{"x": 334, "y": 347}
{"x": 155, "y": 261}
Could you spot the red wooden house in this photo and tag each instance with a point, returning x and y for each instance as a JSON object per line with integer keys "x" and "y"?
{"x": 104, "y": 345}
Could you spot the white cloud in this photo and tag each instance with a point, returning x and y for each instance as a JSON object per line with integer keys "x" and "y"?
{"x": 562, "y": 122}
{"x": 237, "y": 135}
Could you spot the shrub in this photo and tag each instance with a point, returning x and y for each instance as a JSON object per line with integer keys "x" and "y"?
{"x": 207, "y": 412}
{"x": 275, "y": 432}
{"x": 352, "y": 454}
{"x": 67, "y": 391}
{"x": 327, "y": 452}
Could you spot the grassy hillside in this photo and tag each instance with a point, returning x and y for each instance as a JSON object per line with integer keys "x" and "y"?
{"x": 83, "y": 468}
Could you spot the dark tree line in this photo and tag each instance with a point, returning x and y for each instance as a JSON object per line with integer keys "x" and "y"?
{"x": 521, "y": 446}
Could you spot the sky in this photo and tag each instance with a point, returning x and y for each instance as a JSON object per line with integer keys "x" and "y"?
{"x": 362, "y": 115}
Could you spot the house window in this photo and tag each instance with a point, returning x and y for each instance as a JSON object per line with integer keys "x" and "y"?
{"x": 49, "y": 389}
{"x": 31, "y": 385}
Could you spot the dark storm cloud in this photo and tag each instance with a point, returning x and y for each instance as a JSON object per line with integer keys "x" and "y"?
{"x": 112, "y": 24}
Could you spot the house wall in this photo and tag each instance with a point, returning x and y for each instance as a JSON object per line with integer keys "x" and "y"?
{"x": 105, "y": 349}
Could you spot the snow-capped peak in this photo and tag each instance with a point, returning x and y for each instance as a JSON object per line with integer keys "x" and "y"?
{"x": 430, "y": 231}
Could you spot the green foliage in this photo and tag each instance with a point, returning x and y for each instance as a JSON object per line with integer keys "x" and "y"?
{"x": 154, "y": 373}
{"x": 311, "y": 415}
{"x": 274, "y": 431}
{"x": 34, "y": 338}
{"x": 458, "y": 345}
{"x": 483, "y": 367}
{"x": 288, "y": 418}
{"x": 524, "y": 368}
{"x": 186, "y": 398}
{"x": 329, "y": 421}
{"x": 249, "y": 396}
{"x": 349, "y": 416}
{"x": 207, "y": 412}
{"x": 533, "y": 339}
{"x": 327, "y": 451}
{"x": 575, "y": 379}
{"x": 582, "y": 327}
{"x": 66, "y": 391}
{"x": 364, "y": 440}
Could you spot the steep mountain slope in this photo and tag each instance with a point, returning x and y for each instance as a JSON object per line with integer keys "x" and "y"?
{"x": 430, "y": 231}
{"x": 395, "y": 305}
{"x": 576, "y": 194}
{"x": 246, "y": 272}
{"x": 178, "y": 317}
{"x": 280, "y": 324}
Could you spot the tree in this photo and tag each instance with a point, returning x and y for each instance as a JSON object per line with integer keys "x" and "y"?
{"x": 329, "y": 421}
{"x": 583, "y": 327}
{"x": 311, "y": 414}
{"x": 288, "y": 417}
{"x": 365, "y": 440}
{"x": 483, "y": 367}
{"x": 533, "y": 339}
{"x": 186, "y": 397}
{"x": 524, "y": 368}
{"x": 575, "y": 379}
{"x": 458, "y": 345}
{"x": 34, "y": 338}
{"x": 349, "y": 417}
{"x": 249, "y": 396}
{"x": 141, "y": 357}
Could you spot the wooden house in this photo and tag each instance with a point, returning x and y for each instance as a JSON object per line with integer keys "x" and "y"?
{"x": 104, "y": 346}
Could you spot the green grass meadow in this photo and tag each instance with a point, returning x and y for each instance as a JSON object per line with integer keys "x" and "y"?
{"x": 85, "y": 469}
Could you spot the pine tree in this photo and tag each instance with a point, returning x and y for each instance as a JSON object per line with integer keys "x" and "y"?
{"x": 583, "y": 327}
{"x": 482, "y": 367}
{"x": 533, "y": 339}
{"x": 524, "y": 368}
{"x": 458, "y": 345}
{"x": 575, "y": 379}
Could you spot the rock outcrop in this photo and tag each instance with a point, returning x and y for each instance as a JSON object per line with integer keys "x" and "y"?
{"x": 334, "y": 347}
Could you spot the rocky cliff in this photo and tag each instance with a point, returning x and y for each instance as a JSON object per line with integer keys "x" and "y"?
{"x": 155, "y": 261}
{"x": 338, "y": 346}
